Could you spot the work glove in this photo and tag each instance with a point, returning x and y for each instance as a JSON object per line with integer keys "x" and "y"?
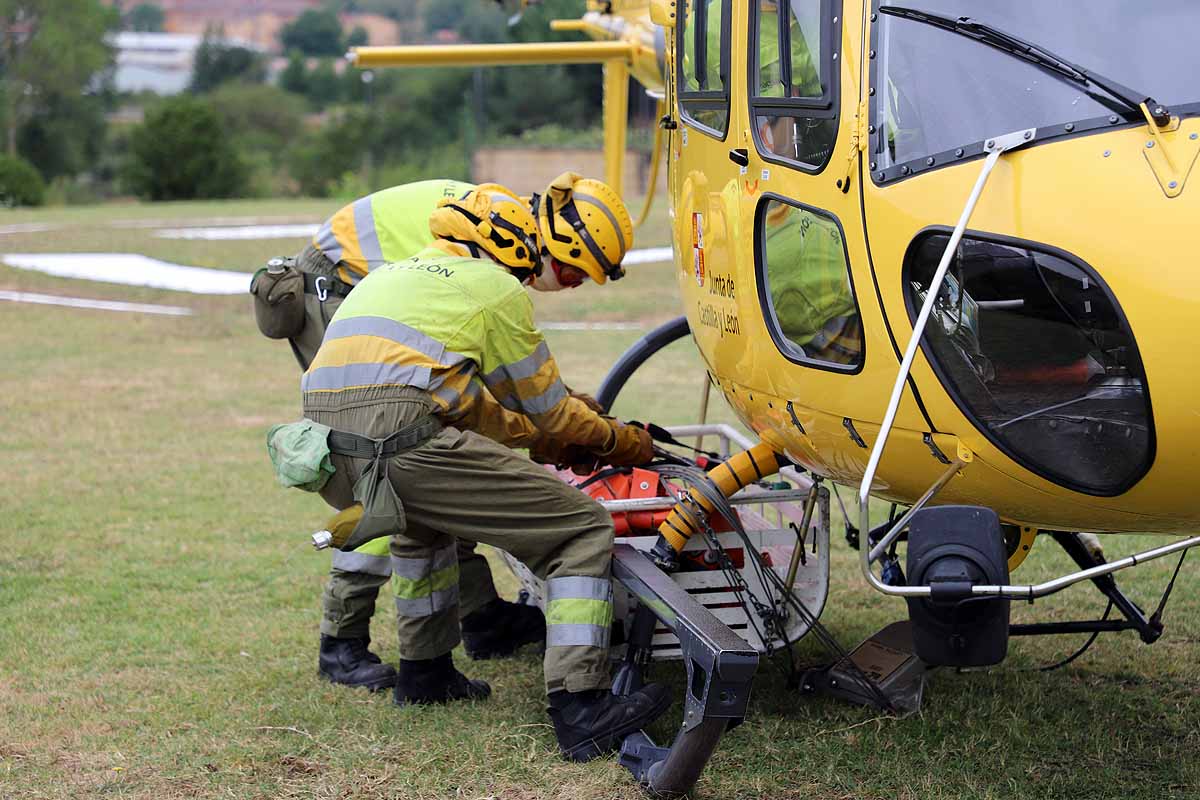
{"x": 587, "y": 400}
{"x": 631, "y": 446}
{"x": 574, "y": 457}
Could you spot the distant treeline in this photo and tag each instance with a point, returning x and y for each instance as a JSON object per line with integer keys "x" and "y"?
{"x": 320, "y": 128}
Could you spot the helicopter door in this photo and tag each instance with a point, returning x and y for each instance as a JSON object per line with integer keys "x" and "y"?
{"x": 706, "y": 209}
{"x": 805, "y": 228}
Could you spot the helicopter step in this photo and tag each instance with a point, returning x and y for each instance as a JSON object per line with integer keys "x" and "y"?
{"x": 720, "y": 668}
{"x": 888, "y": 659}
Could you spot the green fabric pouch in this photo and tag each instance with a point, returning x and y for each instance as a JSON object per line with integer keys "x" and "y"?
{"x": 383, "y": 513}
{"x": 299, "y": 452}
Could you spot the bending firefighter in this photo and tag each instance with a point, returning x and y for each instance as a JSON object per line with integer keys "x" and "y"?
{"x": 428, "y": 370}
{"x": 385, "y": 226}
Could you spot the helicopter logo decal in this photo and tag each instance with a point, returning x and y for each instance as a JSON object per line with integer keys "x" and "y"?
{"x": 698, "y": 246}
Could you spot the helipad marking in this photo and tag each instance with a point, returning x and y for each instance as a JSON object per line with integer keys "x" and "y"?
{"x": 27, "y": 227}
{"x": 240, "y": 232}
{"x": 101, "y": 305}
{"x": 591, "y": 326}
{"x": 649, "y": 255}
{"x": 132, "y": 269}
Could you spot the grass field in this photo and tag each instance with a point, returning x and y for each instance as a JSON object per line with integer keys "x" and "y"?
{"x": 159, "y": 602}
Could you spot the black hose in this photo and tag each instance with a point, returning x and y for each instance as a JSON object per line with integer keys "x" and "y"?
{"x": 635, "y": 356}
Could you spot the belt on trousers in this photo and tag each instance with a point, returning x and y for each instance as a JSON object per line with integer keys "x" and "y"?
{"x": 412, "y": 435}
{"x": 323, "y": 286}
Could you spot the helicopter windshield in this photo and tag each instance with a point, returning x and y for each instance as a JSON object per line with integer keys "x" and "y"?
{"x": 941, "y": 91}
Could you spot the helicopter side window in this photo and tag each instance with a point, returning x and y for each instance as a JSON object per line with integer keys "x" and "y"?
{"x": 804, "y": 286}
{"x": 793, "y": 82}
{"x": 704, "y": 65}
{"x": 1035, "y": 350}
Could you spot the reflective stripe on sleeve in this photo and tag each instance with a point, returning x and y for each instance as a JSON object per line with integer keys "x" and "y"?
{"x": 536, "y": 405}
{"x": 579, "y": 612}
{"x": 327, "y": 243}
{"x": 368, "y": 237}
{"x": 362, "y": 562}
{"x": 527, "y": 367}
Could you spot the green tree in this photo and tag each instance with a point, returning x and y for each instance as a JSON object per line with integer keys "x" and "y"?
{"x": 357, "y": 37}
{"x": 47, "y": 48}
{"x": 20, "y": 183}
{"x": 182, "y": 151}
{"x": 218, "y": 62}
{"x": 145, "y": 17}
{"x": 321, "y": 159}
{"x": 322, "y": 85}
{"x": 294, "y": 77}
{"x": 316, "y": 32}
{"x": 65, "y": 136}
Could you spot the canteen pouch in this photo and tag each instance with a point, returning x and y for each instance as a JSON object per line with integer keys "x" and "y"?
{"x": 299, "y": 452}
{"x": 278, "y": 300}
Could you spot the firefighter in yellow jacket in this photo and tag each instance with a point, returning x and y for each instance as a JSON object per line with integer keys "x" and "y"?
{"x": 431, "y": 370}
{"x": 387, "y": 226}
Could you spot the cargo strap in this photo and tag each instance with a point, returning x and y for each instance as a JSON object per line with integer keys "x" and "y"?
{"x": 383, "y": 512}
{"x": 323, "y": 286}
{"x": 412, "y": 435}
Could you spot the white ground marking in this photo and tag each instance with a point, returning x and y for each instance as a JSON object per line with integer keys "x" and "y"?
{"x": 649, "y": 255}
{"x": 181, "y": 222}
{"x": 133, "y": 270}
{"x": 241, "y": 232}
{"x": 102, "y": 305}
{"x": 590, "y": 326}
{"x": 27, "y": 227}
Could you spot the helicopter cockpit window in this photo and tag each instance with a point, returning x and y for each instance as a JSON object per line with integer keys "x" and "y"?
{"x": 939, "y": 94}
{"x": 792, "y": 80}
{"x": 704, "y": 65}
{"x": 1037, "y": 353}
{"x": 804, "y": 286}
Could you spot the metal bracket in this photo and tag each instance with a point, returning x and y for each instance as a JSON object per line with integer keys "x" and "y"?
{"x": 848, "y": 424}
{"x": 795, "y": 420}
{"x": 1171, "y": 155}
{"x": 927, "y": 438}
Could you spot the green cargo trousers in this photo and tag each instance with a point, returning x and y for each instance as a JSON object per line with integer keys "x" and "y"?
{"x": 463, "y": 486}
{"x": 355, "y": 578}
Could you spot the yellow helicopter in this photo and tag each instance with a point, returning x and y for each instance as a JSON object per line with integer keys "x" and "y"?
{"x": 936, "y": 252}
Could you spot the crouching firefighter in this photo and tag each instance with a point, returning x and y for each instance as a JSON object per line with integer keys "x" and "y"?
{"x": 428, "y": 370}
{"x": 388, "y": 225}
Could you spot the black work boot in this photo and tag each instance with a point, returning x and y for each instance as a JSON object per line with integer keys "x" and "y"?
{"x": 349, "y": 662}
{"x": 500, "y": 627}
{"x": 435, "y": 680}
{"x": 590, "y": 724}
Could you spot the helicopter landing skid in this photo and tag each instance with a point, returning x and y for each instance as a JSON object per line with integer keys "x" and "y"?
{"x": 1148, "y": 628}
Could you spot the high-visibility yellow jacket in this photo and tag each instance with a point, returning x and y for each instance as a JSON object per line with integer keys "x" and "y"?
{"x": 383, "y": 227}
{"x": 462, "y": 329}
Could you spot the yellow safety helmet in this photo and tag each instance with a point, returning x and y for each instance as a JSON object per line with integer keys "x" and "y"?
{"x": 583, "y": 223}
{"x": 491, "y": 219}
